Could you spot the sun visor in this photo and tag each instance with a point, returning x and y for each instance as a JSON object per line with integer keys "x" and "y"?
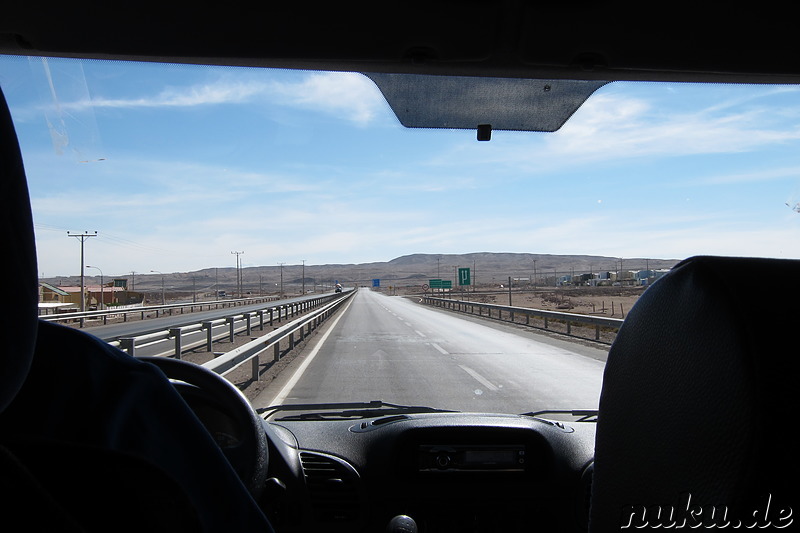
{"x": 460, "y": 102}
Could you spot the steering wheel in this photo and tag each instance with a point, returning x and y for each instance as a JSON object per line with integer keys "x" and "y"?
{"x": 227, "y": 415}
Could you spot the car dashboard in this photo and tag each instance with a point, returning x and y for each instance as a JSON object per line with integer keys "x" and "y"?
{"x": 446, "y": 471}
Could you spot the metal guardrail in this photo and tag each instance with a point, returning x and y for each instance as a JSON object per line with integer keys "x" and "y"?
{"x": 177, "y": 340}
{"x": 191, "y": 306}
{"x": 513, "y": 313}
{"x": 253, "y": 350}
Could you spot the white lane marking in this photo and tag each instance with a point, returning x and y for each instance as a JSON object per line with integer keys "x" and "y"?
{"x": 442, "y": 350}
{"x": 482, "y": 380}
{"x": 418, "y": 332}
{"x": 302, "y": 368}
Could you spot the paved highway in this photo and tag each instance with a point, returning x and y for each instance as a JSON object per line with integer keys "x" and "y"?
{"x": 396, "y": 350}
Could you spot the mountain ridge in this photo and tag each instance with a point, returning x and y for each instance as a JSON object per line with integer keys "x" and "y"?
{"x": 405, "y": 270}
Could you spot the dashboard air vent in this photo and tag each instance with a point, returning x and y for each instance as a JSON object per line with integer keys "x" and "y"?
{"x": 333, "y": 488}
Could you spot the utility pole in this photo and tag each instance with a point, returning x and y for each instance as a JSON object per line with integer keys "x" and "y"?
{"x": 304, "y": 277}
{"x": 438, "y": 272}
{"x": 132, "y": 287}
{"x": 281, "y": 265}
{"x": 238, "y": 274}
{"x": 474, "y": 276}
{"x": 82, "y": 236}
{"x": 163, "y": 299}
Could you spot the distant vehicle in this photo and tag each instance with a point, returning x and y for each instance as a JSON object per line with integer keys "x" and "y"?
{"x": 338, "y": 287}
{"x": 221, "y": 294}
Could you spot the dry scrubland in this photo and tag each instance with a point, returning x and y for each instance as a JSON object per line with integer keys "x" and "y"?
{"x": 612, "y": 302}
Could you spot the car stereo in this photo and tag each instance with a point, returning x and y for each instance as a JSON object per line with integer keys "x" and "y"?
{"x": 472, "y": 458}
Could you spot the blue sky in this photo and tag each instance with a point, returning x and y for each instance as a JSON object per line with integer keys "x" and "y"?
{"x": 175, "y": 167}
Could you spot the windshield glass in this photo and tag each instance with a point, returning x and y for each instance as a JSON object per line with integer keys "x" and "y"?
{"x": 189, "y": 183}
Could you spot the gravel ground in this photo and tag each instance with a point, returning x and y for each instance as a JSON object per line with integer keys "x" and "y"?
{"x": 610, "y": 302}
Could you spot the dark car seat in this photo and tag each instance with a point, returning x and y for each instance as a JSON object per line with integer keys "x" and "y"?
{"x": 698, "y": 397}
{"x": 92, "y": 439}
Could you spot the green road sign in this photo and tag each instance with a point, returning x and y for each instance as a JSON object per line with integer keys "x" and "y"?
{"x": 435, "y": 284}
{"x": 464, "y": 277}
{"x": 447, "y": 284}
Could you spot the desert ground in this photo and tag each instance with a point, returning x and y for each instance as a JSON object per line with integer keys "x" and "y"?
{"x": 612, "y": 302}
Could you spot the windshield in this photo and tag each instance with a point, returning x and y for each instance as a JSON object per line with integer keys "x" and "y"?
{"x": 171, "y": 183}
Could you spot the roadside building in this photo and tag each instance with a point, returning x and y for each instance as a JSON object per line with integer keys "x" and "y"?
{"x": 95, "y": 294}
{"x": 73, "y": 295}
{"x": 52, "y": 294}
{"x": 106, "y": 294}
{"x": 647, "y": 277}
{"x": 644, "y": 277}
{"x": 52, "y": 299}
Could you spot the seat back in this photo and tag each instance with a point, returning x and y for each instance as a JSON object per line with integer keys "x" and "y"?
{"x": 19, "y": 266}
{"x": 56, "y": 486}
{"x": 693, "y": 427}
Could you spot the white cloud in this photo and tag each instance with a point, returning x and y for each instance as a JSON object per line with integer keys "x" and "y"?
{"x": 612, "y": 128}
{"x": 349, "y": 96}
{"x": 615, "y": 127}
{"x": 346, "y": 95}
{"x": 211, "y": 94}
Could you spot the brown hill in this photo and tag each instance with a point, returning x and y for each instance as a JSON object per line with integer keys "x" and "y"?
{"x": 487, "y": 268}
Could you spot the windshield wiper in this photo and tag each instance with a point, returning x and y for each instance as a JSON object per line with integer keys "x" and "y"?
{"x": 344, "y": 411}
{"x": 582, "y": 415}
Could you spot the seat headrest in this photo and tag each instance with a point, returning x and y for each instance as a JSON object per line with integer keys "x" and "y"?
{"x": 691, "y": 391}
{"x": 19, "y": 313}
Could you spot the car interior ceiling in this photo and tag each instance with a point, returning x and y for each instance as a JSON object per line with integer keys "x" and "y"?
{"x": 518, "y": 39}
{"x": 685, "y": 402}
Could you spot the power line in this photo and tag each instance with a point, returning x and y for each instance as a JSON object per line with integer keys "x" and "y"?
{"x": 111, "y": 239}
